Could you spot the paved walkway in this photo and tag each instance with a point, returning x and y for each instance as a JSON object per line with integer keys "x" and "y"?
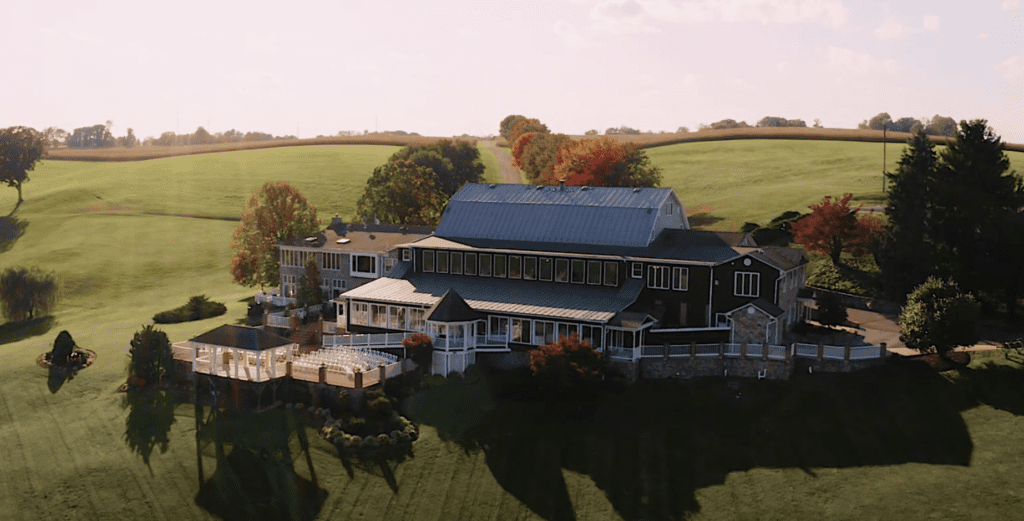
{"x": 509, "y": 173}
{"x": 876, "y": 328}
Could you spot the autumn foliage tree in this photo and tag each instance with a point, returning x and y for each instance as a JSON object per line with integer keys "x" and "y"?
{"x": 527, "y": 125}
{"x": 539, "y": 158}
{"x": 833, "y": 227}
{"x": 568, "y": 365}
{"x": 276, "y": 213}
{"x": 603, "y": 162}
{"x": 520, "y": 145}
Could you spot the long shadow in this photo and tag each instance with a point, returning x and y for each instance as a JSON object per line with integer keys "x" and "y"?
{"x": 996, "y": 385}
{"x": 255, "y": 477}
{"x": 150, "y": 416}
{"x": 16, "y": 331}
{"x": 652, "y": 446}
{"x": 702, "y": 219}
{"x": 11, "y": 229}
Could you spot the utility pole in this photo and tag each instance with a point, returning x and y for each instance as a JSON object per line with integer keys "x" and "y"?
{"x": 884, "y": 142}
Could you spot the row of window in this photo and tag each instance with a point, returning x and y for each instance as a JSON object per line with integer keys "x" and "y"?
{"x": 576, "y": 271}
{"x": 665, "y": 277}
{"x": 360, "y": 264}
{"x": 495, "y": 328}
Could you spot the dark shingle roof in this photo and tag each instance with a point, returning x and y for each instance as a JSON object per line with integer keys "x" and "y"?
{"x": 365, "y": 238}
{"x": 242, "y": 337}
{"x": 451, "y": 308}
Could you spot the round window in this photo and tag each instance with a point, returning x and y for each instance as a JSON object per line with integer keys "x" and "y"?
{"x": 746, "y": 262}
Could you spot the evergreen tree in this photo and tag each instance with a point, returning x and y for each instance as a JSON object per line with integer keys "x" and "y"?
{"x": 903, "y": 246}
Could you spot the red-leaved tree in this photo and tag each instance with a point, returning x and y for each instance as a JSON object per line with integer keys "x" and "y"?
{"x": 567, "y": 365}
{"x": 520, "y": 146}
{"x": 833, "y": 227}
{"x": 603, "y": 162}
{"x": 276, "y": 213}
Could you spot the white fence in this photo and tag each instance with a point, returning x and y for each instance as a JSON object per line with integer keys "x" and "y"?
{"x": 446, "y": 361}
{"x": 734, "y": 350}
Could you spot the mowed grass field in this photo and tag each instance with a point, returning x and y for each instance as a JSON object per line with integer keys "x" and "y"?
{"x": 726, "y": 183}
{"x": 107, "y": 230}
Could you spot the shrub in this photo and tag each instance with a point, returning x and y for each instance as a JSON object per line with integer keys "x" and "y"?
{"x": 455, "y": 377}
{"x": 197, "y": 308}
{"x": 150, "y": 355}
{"x": 939, "y": 316}
{"x": 831, "y": 312}
{"x": 63, "y": 346}
{"x": 26, "y": 293}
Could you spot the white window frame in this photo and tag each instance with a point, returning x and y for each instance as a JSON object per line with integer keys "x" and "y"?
{"x": 417, "y": 319}
{"x": 393, "y": 321}
{"x": 433, "y": 261}
{"x": 680, "y": 278}
{"x": 542, "y": 338}
{"x": 466, "y": 263}
{"x": 354, "y": 264}
{"x": 595, "y": 335}
{"x": 659, "y": 277}
{"x": 536, "y": 268}
{"x": 519, "y": 258}
{"x": 360, "y": 314}
{"x": 614, "y": 267}
{"x": 438, "y": 263}
{"x": 572, "y": 271}
{"x": 451, "y": 260}
{"x": 638, "y": 270}
{"x": 746, "y": 284}
{"x": 406, "y": 254}
{"x": 600, "y": 272}
{"x": 375, "y": 321}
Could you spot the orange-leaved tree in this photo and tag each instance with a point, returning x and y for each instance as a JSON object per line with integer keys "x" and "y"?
{"x": 833, "y": 227}
{"x": 568, "y": 364}
{"x": 527, "y": 125}
{"x": 603, "y": 162}
{"x": 276, "y": 213}
{"x": 520, "y": 145}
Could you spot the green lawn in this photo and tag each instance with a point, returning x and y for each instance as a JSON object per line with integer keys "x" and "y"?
{"x": 492, "y": 172}
{"x": 905, "y": 448}
{"x": 728, "y": 183}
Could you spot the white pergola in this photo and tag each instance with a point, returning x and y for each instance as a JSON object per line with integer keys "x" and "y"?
{"x": 241, "y": 353}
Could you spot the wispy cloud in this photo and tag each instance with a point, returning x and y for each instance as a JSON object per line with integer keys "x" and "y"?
{"x": 623, "y": 16}
{"x": 843, "y": 60}
{"x": 570, "y": 35}
{"x": 931, "y": 23}
{"x": 891, "y": 30}
{"x": 1012, "y": 69}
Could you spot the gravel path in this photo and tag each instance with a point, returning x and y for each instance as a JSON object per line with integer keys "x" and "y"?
{"x": 509, "y": 173}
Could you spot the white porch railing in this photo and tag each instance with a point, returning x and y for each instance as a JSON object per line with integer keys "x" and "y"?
{"x": 734, "y": 350}
{"x": 275, "y": 320}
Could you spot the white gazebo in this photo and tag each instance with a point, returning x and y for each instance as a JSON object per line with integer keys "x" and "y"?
{"x": 451, "y": 325}
{"x": 242, "y": 353}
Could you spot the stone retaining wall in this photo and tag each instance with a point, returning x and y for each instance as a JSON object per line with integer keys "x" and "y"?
{"x": 686, "y": 367}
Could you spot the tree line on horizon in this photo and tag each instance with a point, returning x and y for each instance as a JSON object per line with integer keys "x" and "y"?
{"x": 99, "y": 136}
{"x": 546, "y": 158}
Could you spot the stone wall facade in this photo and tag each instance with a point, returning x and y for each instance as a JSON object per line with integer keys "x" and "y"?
{"x": 750, "y": 326}
{"x": 686, "y": 367}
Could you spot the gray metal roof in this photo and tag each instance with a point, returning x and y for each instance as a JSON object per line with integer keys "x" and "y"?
{"x": 694, "y": 246}
{"x": 514, "y": 297}
{"x": 575, "y": 215}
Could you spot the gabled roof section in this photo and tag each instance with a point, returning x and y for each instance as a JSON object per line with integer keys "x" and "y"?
{"x": 570, "y": 215}
{"x": 780, "y": 257}
{"x": 242, "y": 337}
{"x": 764, "y": 305}
{"x": 451, "y": 308}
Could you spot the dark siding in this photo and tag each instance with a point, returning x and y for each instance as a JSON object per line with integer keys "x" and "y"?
{"x": 724, "y": 300}
{"x": 664, "y": 305}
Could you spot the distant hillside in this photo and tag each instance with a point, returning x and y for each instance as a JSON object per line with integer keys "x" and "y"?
{"x": 804, "y": 133}
{"x": 141, "y": 153}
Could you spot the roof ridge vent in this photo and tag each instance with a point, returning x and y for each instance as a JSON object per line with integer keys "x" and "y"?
{"x": 493, "y": 185}
{"x": 637, "y": 189}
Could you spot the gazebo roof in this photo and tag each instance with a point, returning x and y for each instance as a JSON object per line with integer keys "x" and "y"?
{"x": 242, "y": 337}
{"x": 451, "y": 308}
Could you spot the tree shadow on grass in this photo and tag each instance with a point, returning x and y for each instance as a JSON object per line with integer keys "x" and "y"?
{"x": 11, "y": 229}
{"x": 700, "y": 220}
{"x": 150, "y": 416}
{"x": 255, "y": 477}
{"x": 999, "y": 386}
{"x": 16, "y": 331}
{"x": 652, "y": 446}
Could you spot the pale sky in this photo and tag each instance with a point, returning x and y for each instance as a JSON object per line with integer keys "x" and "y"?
{"x": 448, "y": 67}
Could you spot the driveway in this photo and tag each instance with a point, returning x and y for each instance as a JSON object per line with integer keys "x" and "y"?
{"x": 876, "y": 328}
{"x": 509, "y": 173}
